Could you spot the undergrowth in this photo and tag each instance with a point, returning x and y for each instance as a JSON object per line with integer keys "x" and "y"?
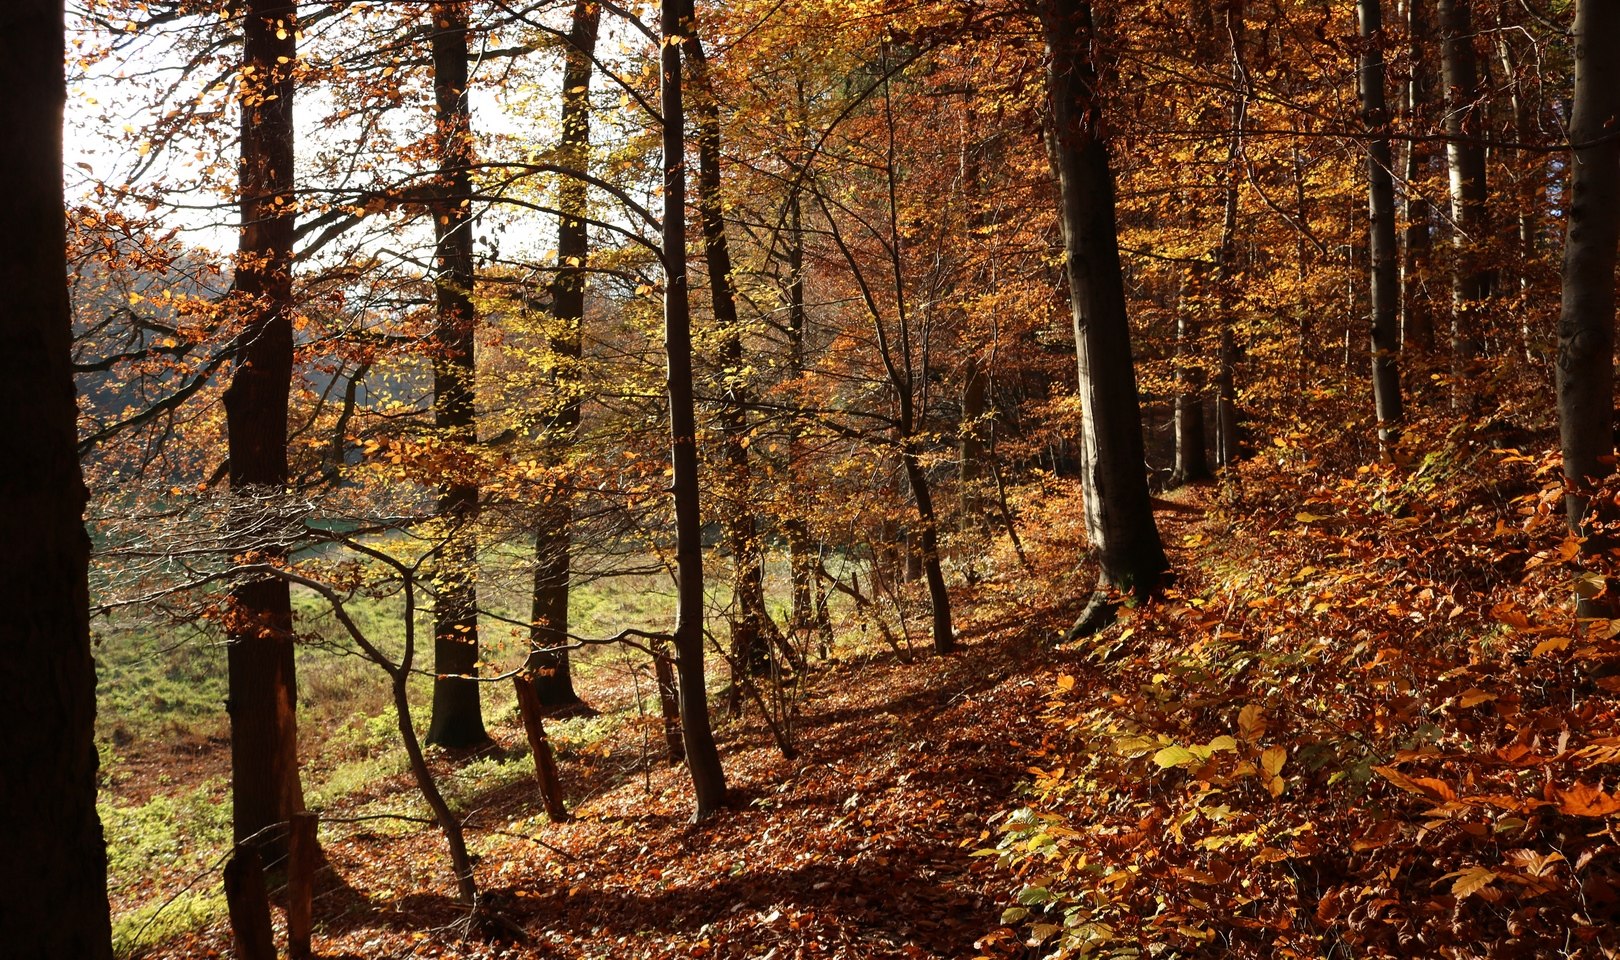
{"x": 1364, "y": 723}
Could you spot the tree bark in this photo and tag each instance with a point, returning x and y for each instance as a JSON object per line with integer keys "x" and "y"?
{"x": 1228, "y": 447}
{"x": 1118, "y": 513}
{"x": 457, "y": 719}
{"x": 1465, "y": 162}
{"x": 549, "y": 663}
{"x": 1417, "y": 315}
{"x": 53, "y": 893}
{"x": 1586, "y": 323}
{"x": 1384, "y": 261}
{"x": 751, "y": 627}
{"x": 265, "y": 789}
{"x": 702, "y": 757}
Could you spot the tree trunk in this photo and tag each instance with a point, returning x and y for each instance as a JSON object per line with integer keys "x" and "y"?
{"x": 1586, "y": 323}
{"x": 1384, "y": 261}
{"x": 457, "y": 717}
{"x": 1192, "y": 460}
{"x": 1417, "y": 315}
{"x": 801, "y": 553}
{"x": 1228, "y": 447}
{"x": 1465, "y": 161}
{"x": 702, "y": 757}
{"x": 751, "y": 627}
{"x": 549, "y": 663}
{"x": 1119, "y": 515}
{"x": 265, "y": 789}
{"x": 53, "y": 892}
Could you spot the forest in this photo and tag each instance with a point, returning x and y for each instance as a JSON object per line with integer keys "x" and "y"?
{"x": 998, "y": 479}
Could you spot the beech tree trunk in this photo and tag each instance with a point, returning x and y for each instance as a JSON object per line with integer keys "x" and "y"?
{"x": 549, "y": 663}
{"x": 751, "y": 627}
{"x": 1586, "y": 324}
{"x": 1417, "y": 315}
{"x": 702, "y": 757}
{"x": 457, "y": 719}
{"x": 1384, "y": 261}
{"x": 265, "y": 789}
{"x": 1465, "y": 162}
{"x": 53, "y": 891}
{"x": 1119, "y": 514}
{"x": 1228, "y": 448}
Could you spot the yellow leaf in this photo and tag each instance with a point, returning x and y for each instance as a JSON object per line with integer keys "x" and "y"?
{"x": 1272, "y": 760}
{"x": 1305, "y": 516}
{"x": 1065, "y": 683}
{"x": 1470, "y": 880}
{"x": 1474, "y": 697}
{"x": 1251, "y": 722}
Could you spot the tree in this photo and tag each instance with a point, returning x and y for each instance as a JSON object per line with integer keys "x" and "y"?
{"x": 1385, "y": 277}
{"x": 457, "y": 718}
{"x": 549, "y": 663}
{"x": 1586, "y": 322}
{"x": 265, "y": 788}
{"x": 1465, "y": 162}
{"x": 1119, "y": 515}
{"x": 702, "y": 757}
{"x": 53, "y": 892}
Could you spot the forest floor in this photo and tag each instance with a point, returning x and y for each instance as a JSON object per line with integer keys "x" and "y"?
{"x": 1361, "y": 722}
{"x": 860, "y": 847}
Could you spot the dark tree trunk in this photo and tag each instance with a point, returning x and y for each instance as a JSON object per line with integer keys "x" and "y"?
{"x": 1385, "y": 281}
{"x": 553, "y": 676}
{"x": 1417, "y": 315}
{"x": 1119, "y": 514}
{"x": 53, "y": 890}
{"x": 1586, "y": 323}
{"x": 751, "y": 627}
{"x": 263, "y": 701}
{"x": 1465, "y": 161}
{"x": 1192, "y": 458}
{"x": 457, "y": 720}
{"x": 702, "y": 757}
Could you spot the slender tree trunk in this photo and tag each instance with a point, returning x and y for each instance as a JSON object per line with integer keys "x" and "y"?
{"x": 1119, "y": 514}
{"x": 1192, "y": 459}
{"x": 263, "y": 686}
{"x": 1228, "y": 448}
{"x": 549, "y": 663}
{"x": 1417, "y": 314}
{"x": 1586, "y": 323}
{"x": 53, "y": 892}
{"x": 1384, "y": 261}
{"x": 702, "y": 757}
{"x": 1465, "y": 160}
{"x": 457, "y": 720}
{"x": 801, "y": 552}
{"x": 752, "y": 627}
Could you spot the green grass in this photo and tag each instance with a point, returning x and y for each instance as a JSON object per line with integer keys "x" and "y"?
{"x": 168, "y": 685}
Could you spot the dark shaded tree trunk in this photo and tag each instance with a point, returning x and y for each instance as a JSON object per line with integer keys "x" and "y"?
{"x": 702, "y": 757}
{"x": 1192, "y": 458}
{"x": 1384, "y": 260}
{"x": 265, "y": 789}
{"x": 457, "y": 719}
{"x": 53, "y": 891}
{"x": 751, "y": 627}
{"x": 1417, "y": 313}
{"x": 549, "y": 663}
{"x": 1119, "y": 514}
{"x": 1465, "y": 162}
{"x": 1586, "y": 323}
